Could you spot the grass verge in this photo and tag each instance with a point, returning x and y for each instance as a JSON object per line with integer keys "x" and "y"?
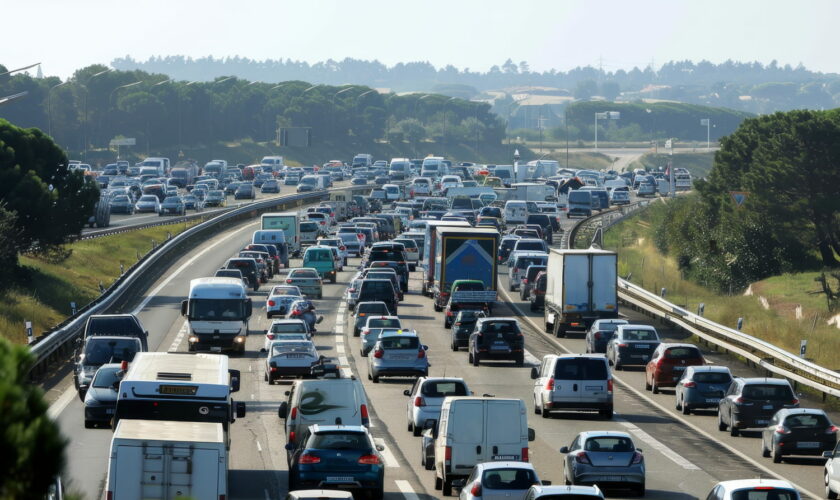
{"x": 640, "y": 259}
{"x": 43, "y": 290}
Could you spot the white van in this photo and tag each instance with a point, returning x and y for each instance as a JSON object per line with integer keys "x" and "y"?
{"x": 516, "y": 212}
{"x": 217, "y": 312}
{"x": 327, "y": 401}
{"x": 275, "y": 162}
{"x": 472, "y": 430}
{"x": 421, "y": 186}
{"x": 392, "y": 192}
{"x": 433, "y": 167}
{"x": 161, "y": 164}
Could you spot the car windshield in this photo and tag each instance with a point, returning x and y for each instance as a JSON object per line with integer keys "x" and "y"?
{"x": 304, "y": 274}
{"x": 470, "y": 286}
{"x": 216, "y": 309}
{"x": 505, "y": 327}
{"x": 105, "y": 377}
{"x": 764, "y": 493}
{"x": 508, "y": 479}
{"x": 308, "y": 227}
{"x": 288, "y": 328}
{"x": 397, "y": 342}
{"x": 607, "y": 327}
{"x": 371, "y": 308}
{"x": 640, "y": 335}
{"x": 524, "y": 262}
{"x": 610, "y": 444}
{"x": 443, "y": 388}
{"x": 338, "y": 441}
{"x": 282, "y": 290}
{"x": 682, "y": 353}
{"x": 530, "y": 245}
{"x": 99, "y": 351}
{"x": 712, "y": 377}
{"x": 767, "y": 392}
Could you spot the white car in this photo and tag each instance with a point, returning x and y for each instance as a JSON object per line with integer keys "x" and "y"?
{"x": 352, "y": 242}
{"x": 508, "y": 480}
{"x": 286, "y": 329}
{"x": 147, "y": 203}
{"x": 290, "y": 358}
{"x": 426, "y": 396}
{"x": 280, "y": 298}
{"x": 759, "y": 489}
{"x": 421, "y": 186}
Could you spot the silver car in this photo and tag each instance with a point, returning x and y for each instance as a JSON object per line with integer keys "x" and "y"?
{"x": 605, "y": 458}
{"x": 290, "y": 358}
{"x": 307, "y": 280}
{"x": 701, "y": 387}
{"x": 426, "y": 396}
{"x": 398, "y": 354}
{"x": 499, "y": 481}
{"x": 374, "y": 326}
{"x": 286, "y": 329}
{"x": 280, "y": 298}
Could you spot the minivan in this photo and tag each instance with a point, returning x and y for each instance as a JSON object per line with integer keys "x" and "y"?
{"x": 579, "y": 203}
{"x": 573, "y": 382}
{"x": 309, "y": 232}
{"x": 472, "y": 430}
{"x": 321, "y": 259}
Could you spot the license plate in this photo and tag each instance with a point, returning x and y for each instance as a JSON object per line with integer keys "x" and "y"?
{"x": 215, "y": 349}
{"x": 340, "y": 479}
{"x": 612, "y": 479}
{"x": 711, "y": 400}
{"x": 642, "y": 346}
{"x": 767, "y": 407}
{"x": 295, "y": 356}
{"x": 505, "y": 457}
{"x": 593, "y": 387}
{"x": 400, "y": 356}
{"x": 808, "y": 444}
{"x": 761, "y": 422}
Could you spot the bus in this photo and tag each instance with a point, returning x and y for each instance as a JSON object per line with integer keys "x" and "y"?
{"x": 181, "y": 387}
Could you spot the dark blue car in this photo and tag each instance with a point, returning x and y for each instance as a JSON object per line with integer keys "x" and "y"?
{"x": 337, "y": 457}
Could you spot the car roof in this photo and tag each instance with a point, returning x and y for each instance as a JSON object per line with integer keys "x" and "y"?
{"x": 505, "y": 465}
{"x": 594, "y": 491}
{"x": 578, "y": 355}
{"x": 668, "y": 345}
{"x": 801, "y": 411}
{"x": 709, "y": 368}
{"x": 499, "y": 318}
{"x": 287, "y": 321}
{"x": 333, "y": 428}
{"x": 303, "y": 494}
{"x": 766, "y": 380}
{"x": 737, "y": 484}
{"x": 398, "y": 333}
{"x": 636, "y": 326}
{"x": 595, "y": 434}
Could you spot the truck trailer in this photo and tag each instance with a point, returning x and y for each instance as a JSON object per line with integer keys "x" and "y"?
{"x": 463, "y": 254}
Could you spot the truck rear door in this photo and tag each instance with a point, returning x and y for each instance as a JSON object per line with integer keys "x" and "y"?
{"x": 503, "y": 431}
{"x": 575, "y": 284}
{"x": 465, "y": 435}
{"x": 604, "y": 283}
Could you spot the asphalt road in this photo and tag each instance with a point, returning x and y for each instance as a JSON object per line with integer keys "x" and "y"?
{"x": 685, "y": 456}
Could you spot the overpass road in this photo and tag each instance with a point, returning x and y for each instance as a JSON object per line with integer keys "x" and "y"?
{"x": 685, "y": 456}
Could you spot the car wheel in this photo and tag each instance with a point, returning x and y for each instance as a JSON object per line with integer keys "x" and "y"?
{"x": 416, "y": 431}
{"x": 685, "y": 408}
{"x": 520, "y": 360}
{"x": 375, "y": 378}
{"x": 438, "y": 483}
{"x": 437, "y": 307}
{"x": 829, "y": 493}
{"x": 537, "y": 409}
{"x": 265, "y": 377}
{"x": 734, "y": 431}
{"x": 532, "y": 307}
{"x": 777, "y": 455}
{"x": 320, "y": 295}
{"x": 447, "y": 487}
{"x": 454, "y": 347}
{"x": 653, "y": 387}
{"x": 607, "y": 413}
{"x": 764, "y": 451}
{"x": 647, "y": 384}
{"x": 356, "y": 332}
{"x": 640, "y": 490}
{"x": 377, "y": 493}
{"x": 446, "y": 324}
{"x": 475, "y": 359}
{"x": 511, "y": 288}
{"x": 89, "y": 424}
{"x": 721, "y": 424}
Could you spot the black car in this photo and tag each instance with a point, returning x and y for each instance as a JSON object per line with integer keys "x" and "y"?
{"x": 379, "y": 291}
{"x": 101, "y": 396}
{"x": 545, "y": 222}
{"x": 232, "y": 187}
{"x": 116, "y": 325}
{"x": 506, "y": 247}
{"x": 401, "y": 268}
{"x": 463, "y": 327}
{"x": 801, "y": 431}
{"x": 173, "y": 205}
{"x": 750, "y": 403}
{"x": 249, "y": 270}
{"x": 245, "y": 191}
{"x": 497, "y": 338}
{"x": 529, "y": 280}
{"x": 364, "y": 310}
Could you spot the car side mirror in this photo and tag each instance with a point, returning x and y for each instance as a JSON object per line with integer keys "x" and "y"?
{"x": 265, "y": 332}
{"x": 425, "y": 347}
{"x": 828, "y": 454}
{"x": 240, "y": 410}
{"x": 235, "y": 376}
{"x": 532, "y": 435}
{"x": 564, "y": 449}
{"x": 407, "y": 392}
{"x": 639, "y": 450}
{"x": 290, "y": 447}
{"x": 379, "y": 447}
{"x": 282, "y": 410}
{"x": 535, "y": 374}
{"x": 183, "y": 308}
{"x": 319, "y": 320}
{"x": 78, "y": 342}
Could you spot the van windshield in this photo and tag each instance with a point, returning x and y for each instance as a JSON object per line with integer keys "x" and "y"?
{"x": 579, "y": 197}
{"x": 216, "y": 309}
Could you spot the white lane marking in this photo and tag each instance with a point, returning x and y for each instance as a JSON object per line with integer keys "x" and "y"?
{"x": 406, "y": 489}
{"x": 639, "y": 394}
{"x": 343, "y": 361}
{"x": 346, "y": 372}
{"x": 178, "y": 338}
{"x": 185, "y": 265}
{"x": 530, "y": 359}
{"x": 61, "y": 403}
{"x": 658, "y": 446}
{"x": 387, "y": 456}
{"x": 259, "y": 448}
{"x": 339, "y": 330}
{"x": 339, "y": 339}
{"x": 339, "y": 348}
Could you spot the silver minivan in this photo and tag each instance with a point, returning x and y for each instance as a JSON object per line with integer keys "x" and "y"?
{"x": 573, "y": 382}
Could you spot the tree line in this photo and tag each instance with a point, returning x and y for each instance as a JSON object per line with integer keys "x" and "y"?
{"x": 96, "y": 105}
{"x": 787, "y": 165}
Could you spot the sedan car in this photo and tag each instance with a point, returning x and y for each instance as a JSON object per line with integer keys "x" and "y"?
{"x": 172, "y": 205}
{"x": 101, "y": 396}
{"x": 286, "y": 329}
{"x": 632, "y": 345}
{"x": 147, "y": 203}
{"x": 270, "y": 186}
{"x": 800, "y": 431}
{"x": 215, "y": 198}
{"x": 339, "y": 457}
{"x": 398, "y": 354}
{"x": 191, "y": 202}
{"x": 121, "y": 204}
{"x": 750, "y": 403}
{"x": 668, "y": 363}
{"x": 307, "y": 280}
{"x": 245, "y": 191}
{"x": 280, "y": 298}
{"x": 605, "y": 458}
{"x": 290, "y": 358}
{"x": 491, "y": 480}
{"x": 701, "y": 387}
{"x": 426, "y": 397}
{"x": 600, "y": 333}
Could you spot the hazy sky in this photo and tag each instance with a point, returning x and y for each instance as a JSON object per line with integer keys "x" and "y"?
{"x": 66, "y": 35}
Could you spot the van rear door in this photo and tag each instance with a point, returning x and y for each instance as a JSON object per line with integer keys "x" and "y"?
{"x": 503, "y": 430}
{"x": 465, "y": 435}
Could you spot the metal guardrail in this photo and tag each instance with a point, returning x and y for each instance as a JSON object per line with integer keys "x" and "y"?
{"x": 58, "y": 341}
{"x": 762, "y": 354}
{"x": 161, "y": 222}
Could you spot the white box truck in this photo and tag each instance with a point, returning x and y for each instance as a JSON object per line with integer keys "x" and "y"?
{"x": 581, "y": 287}
{"x": 162, "y": 459}
{"x": 289, "y": 223}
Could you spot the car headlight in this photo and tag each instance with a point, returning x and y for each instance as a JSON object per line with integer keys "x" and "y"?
{"x": 239, "y": 339}
{"x": 193, "y": 338}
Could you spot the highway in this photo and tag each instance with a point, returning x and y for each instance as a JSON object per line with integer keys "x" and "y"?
{"x": 685, "y": 456}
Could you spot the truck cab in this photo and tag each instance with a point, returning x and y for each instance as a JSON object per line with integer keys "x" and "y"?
{"x": 217, "y": 312}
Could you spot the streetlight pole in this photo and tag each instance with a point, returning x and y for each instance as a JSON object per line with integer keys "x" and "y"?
{"x": 127, "y": 85}
{"x": 85, "y": 124}
{"x": 445, "y": 103}
{"x": 606, "y": 115}
{"x": 416, "y": 102}
{"x": 508, "y": 118}
{"x": 332, "y": 122}
{"x": 475, "y": 126}
{"x": 19, "y": 69}
{"x": 49, "y": 105}
{"x": 708, "y": 123}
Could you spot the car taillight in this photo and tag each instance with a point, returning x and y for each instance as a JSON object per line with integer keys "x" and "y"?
{"x": 832, "y": 429}
{"x": 597, "y": 335}
{"x": 270, "y": 336}
{"x": 637, "y": 458}
{"x": 272, "y": 303}
{"x": 292, "y": 436}
{"x": 457, "y": 323}
{"x": 524, "y": 454}
{"x": 288, "y": 281}
{"x": 295, "y": 313}
{"x": 689, "y": 384}
{"x": 525, "y": 281}
{"x": 421, "y": 353}
{"x": 739, "y": 400}
{"x": 447, "y": 453}
{"x": 794, "y": 401}
{"x": 378, "y": 353}
{"x": 610, "y": 386}
{"x": 582, "y": 458}
{"x": 353, "y": 290}
{"x": 449, "y": 313}
{"x": 476, "y": 489}
{"x": 342, "y": 248}
{"x": 306, "y": 458}
{"x": 110, "y": 495}
{"x": 549, "y": 386}
{"x": 781, "y": 429}
{"x": 418, "y": 402}
{"x": 294, "y": 413}
{"x": 369, "y": 460}
{"x": 516, "y": 269}
{"x": 660, "y": 362}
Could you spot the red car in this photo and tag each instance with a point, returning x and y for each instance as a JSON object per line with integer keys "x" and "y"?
{"x": 667, "y": 364}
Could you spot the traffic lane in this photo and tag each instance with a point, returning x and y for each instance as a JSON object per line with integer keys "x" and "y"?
{"x": 503, "y": 379}
{"x": 805, "y": 471}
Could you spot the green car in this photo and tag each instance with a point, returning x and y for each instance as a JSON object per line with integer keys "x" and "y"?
{"x": 321, "y": 259}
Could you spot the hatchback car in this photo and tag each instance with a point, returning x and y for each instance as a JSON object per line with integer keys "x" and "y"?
{"x": 463, "y": 326}
{"x": 426, "y": 396}
{"x": 754, "y": 489}
{"x": 101, "y": 396}
{"x": 600, "y": 334}
{"x": 831, "y": 472}
{"x": 497, "y": 480}
{"x": 398, "y": 354}
{"x": 290, "y": 358}
{"x": 750, "y": 403}
{"x": 800, "y": 431}
{"x": 632, "y": 345}
{"x": 497, "y": 338}
{"x": 307, "y": 280}
{"x": 363, "y": 311}
{"x": 701, "y": 387}
{"x": 215, "y": 198}
{"x": 121, "y": 204}
{"x": 605, "y": 458}
{"x": 286, "y": 329}
{"x": 373, "y": 328}
{"x": 339, "y": 457}
{"x": 245, "y": 191}
{"x": 270, "y": 186}
{"x": 667, "y": 364}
